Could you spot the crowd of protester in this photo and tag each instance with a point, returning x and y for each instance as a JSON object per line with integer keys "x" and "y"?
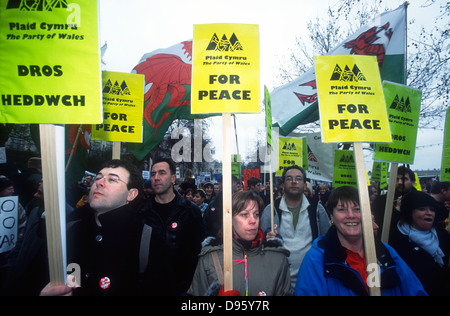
{"x": 164, "y": 237}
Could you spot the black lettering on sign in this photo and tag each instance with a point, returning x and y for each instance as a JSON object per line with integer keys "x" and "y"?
{"x": 38, "y": 71}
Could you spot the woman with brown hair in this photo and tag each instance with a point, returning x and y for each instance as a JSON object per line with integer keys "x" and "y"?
{"x": 336, "y": 263}
{"x": 260, "y": 266}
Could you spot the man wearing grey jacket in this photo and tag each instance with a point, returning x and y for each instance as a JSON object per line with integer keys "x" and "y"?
{"x": 296, "y": 220}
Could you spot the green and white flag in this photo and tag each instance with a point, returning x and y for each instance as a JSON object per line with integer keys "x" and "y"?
{"x": 296, "y": 103}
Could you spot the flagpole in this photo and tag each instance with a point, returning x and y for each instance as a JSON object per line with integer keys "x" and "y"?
{"x": 271, "y": 189}
{"x": 388, "y": 208}
{"x": 237, "y": 145}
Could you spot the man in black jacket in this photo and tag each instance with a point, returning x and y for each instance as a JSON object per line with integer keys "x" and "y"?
{"x": 104, "y": 237}
{"x": 176, "y": 236}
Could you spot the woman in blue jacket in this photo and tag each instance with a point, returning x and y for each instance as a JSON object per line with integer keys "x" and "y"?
{"x": 336, "y": 263}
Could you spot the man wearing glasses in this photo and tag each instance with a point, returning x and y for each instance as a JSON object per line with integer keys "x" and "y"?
{"x": 104, "y": 236}
{"x": 297, "y": 220}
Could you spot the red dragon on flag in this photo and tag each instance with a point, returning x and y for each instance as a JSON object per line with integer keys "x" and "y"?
{"x": 167, "y": 93}
{"x": 296, "y": 103}
{"x": 165, "y": 73}
{"x": 364, "y": 44}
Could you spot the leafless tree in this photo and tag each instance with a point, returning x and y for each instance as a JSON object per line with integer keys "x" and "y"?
{"x": 427, "y": 59}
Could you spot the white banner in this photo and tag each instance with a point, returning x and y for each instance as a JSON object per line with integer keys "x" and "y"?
{"x": 8, "y": 223}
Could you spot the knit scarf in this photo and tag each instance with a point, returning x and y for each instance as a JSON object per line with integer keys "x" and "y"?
{"x": 248, "y": 245}
{"x": 425, "y": 239}
{"x": 252, "y": 243}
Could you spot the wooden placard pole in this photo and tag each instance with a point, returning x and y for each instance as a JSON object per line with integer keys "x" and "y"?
{"x": 74, "y": 147}
{"x": 227, "y": 202}
{"x": 53, "y": 176}
{"x": 116, "y": 150}
{"x": 271, "y": 189}
{"x": 389, "y": 203}
{"x": 366, "y": 215}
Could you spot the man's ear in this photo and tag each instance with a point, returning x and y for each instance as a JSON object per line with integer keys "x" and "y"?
{"x": 132, "y": 194}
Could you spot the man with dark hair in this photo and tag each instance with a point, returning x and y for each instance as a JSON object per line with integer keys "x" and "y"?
{"x": 440, "y": 191}
{"x": 297, "y": 220}
{"x": 104, "y": 237}
{"x": 213, "y": 215}
{"x": 176, "y": 234}
{"x": 254, "y": 184}
{"x": 405, "y": 184}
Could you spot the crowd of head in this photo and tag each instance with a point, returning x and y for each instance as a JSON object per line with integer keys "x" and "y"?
{"x": 158, "y": 237}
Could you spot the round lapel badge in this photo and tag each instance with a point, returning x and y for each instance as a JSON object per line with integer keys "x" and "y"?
{"x": 174, "y": 225}
{"x": 105, "y": 282}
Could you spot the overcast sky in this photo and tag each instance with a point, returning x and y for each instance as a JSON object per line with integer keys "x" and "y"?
{"x": 135, "y": 27}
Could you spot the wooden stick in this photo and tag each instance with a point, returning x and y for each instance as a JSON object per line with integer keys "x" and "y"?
{"x": 74, "y": 147}
{"x": 53, "y": 175}
{"x": 116, "y": 150}
{"x": 227, "y": 200}
{"x": 366, "y": 215}
{"x": 389, "y": 203}
{"x": 271, "y": 189}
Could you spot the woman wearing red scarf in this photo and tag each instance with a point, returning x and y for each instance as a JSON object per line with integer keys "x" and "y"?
{"x": 336, "y": 263}
{"x": 260, "y": 266}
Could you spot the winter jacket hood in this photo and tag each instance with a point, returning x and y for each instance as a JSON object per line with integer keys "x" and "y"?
{"x": 268, "y": 259}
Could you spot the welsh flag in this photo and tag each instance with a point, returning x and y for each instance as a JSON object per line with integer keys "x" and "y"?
{"x": 296, "y": 103}
{"x": 167, "y": 93}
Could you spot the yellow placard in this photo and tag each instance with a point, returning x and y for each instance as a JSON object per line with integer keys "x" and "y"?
{"x": 351, "y": 100}
{"x": 225, "y": 69}
{"x": 123, "y": 103}
{"x": 290, "y": 152}
{"x": 49, "y": 62}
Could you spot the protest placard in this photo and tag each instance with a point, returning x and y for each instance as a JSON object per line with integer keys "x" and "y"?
{"x": 344, "y": 172}
{"x": 50, "y": 74}
{"x": 403, "y": 106}
{"x": 248, "y": 173}
{"x": 225, "y": 79}
{"x": 351, "y": 100}
{"x": 225, "y": 68}
{"x": 49, "y": 63}
{"x": 352, "y": 109}
{"x": 123, "y": 103}
{"x": 236, "y": 166}
{"x": 380, "y": 173}
{"x": 8, "y": 223}
{"x": 291, "y": 151}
